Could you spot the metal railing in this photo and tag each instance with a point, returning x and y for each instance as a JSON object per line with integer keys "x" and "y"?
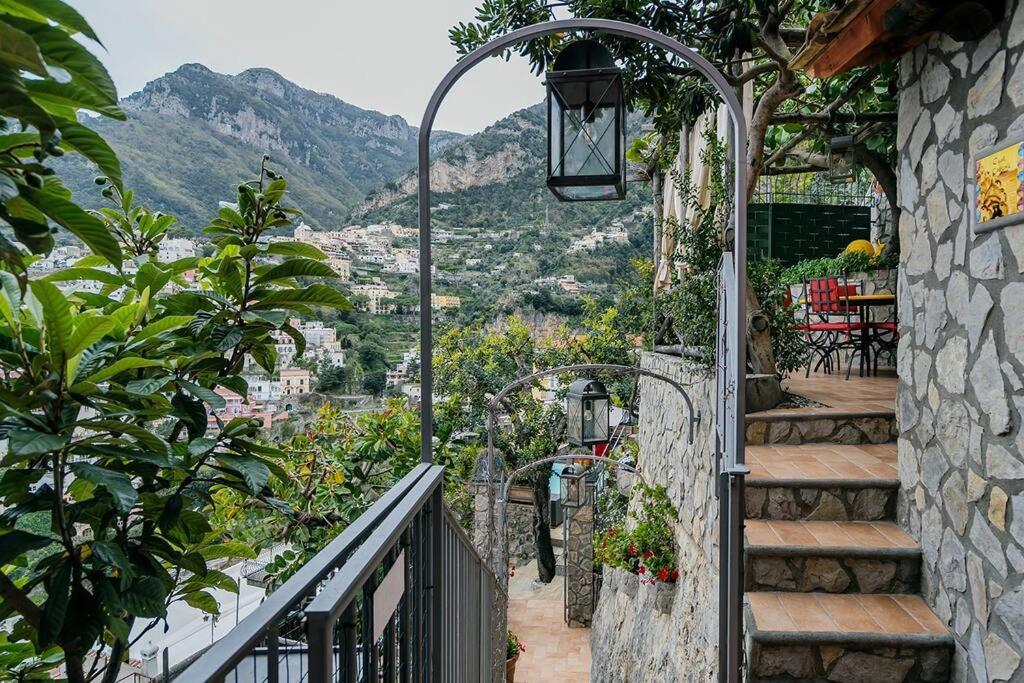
{"x": 730, "y": 470}
{"x": 385, "y": 600}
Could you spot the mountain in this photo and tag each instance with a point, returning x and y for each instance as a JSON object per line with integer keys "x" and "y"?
{"x": 193, "y": 134}
{"x": 496, "y": 178}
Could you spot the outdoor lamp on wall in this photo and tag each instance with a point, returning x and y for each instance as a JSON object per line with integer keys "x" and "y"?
{"x": 586, "y": 125}
{"x": 586, "y": 413}
{"x": 572, "y": 487}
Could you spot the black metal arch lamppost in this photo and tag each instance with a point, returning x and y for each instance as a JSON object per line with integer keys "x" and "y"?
{"x": 732, "y": 338}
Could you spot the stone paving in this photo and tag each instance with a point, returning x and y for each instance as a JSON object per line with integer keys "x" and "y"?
{"x": 554, "y": 652}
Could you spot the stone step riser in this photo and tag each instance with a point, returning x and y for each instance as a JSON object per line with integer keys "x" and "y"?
{"x": 833, "y": 503}
{"x": 851, "y": 430}
{"x": 830, "y": 662}
{"x": 832, "y": 573}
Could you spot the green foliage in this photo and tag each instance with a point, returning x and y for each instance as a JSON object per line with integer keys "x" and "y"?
{"x": 109, "y": 390}
{"x": 513, "y": 646}
{"x": 333, "y": 472}
{"x": 46, "y": 77}
{"x": 644, "y": 543}
{"x": 846, "y": 262}
{"x": 693, "y": 300}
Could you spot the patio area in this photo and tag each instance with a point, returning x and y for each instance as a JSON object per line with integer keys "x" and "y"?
{"x": 554, "y": 652}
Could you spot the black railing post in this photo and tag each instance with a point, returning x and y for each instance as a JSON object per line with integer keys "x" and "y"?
{"x": 273, "y": 654}
{"x": 437, "y": 569}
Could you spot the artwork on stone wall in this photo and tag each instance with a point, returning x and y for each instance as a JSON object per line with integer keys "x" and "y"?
{"x": 999, "y": 186}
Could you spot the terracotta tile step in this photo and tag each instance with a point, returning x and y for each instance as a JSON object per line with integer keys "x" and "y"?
{"x": 843, "y": 619}
{"x": 823, "y": 465}
{"x": 816, "y": 538}
{"x": 832, "y": 557}
{"x": 849, "y": 637}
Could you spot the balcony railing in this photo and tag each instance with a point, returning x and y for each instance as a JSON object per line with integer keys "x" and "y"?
{"x": 400, "y": 595}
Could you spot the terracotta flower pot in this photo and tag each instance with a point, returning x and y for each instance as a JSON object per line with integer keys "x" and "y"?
{"x": 510, "y": 669}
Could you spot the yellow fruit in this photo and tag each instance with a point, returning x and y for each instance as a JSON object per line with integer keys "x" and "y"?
{"x": 862, "y": 246}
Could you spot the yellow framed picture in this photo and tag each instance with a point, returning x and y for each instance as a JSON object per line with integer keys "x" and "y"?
{"x": 998, "y": 195}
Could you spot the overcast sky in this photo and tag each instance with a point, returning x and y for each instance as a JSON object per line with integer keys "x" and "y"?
{"x": 386, "y": 55}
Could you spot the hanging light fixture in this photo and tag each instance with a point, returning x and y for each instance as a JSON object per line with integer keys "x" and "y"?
{"x": 586, "y": 125}
{"x": 586, "y": 413}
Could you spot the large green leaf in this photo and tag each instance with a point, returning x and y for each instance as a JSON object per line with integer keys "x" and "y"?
{"x": 85, "y": 226}
{"x": 146, "y": 597}
{"x": 140, "y": 434}
{"x": 17, "y": 49}
{"x": 61, "y": 50}
{"x": 10, "y": 297}
{"x": 16, "y": 102}
{"x": 296, "y": 267}
{"x": 122, "y": 365}
{"x": 52, "y": 10}
{"x": 55, "y": 608}
{"x": 296, "y": 249}
{"x": 118, "y": 485}
{"x": 89, "y": 144}
{"x": 202, "y": 601}
{"x": 25, "y": 442}
{"x": 59, "y": 97}
{"x": 253, "y": 472}
{"x": 314, "y": 295}
{"x": 17, "y": 542}
{"x": 87, "y": 274}
{"x": 165, "y": 324}
{"x": 57, "y": 325}
{"x": 88, "y": 330}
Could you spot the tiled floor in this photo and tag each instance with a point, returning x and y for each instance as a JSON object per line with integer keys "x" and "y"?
{"x": 554, "y": 652}
{"x": 814, "y": 534}
{"x": 817, "y": 462}
{"x": 843, "y": 613}
{"x": 859, "y": 395}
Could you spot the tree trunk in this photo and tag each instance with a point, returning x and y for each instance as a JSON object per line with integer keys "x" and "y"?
{"x": 542, "y": 524}
{"x": 886, "y": 177}
{"x": 73, "y": 665}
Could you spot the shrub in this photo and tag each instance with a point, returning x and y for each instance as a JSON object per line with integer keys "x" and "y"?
{"x": 513, "y": 646}
{"x": 648, "y": 548}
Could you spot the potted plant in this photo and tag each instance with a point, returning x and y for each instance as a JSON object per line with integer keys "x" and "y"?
{"x": 513, "y": 647}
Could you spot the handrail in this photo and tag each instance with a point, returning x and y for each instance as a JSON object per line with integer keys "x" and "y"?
{"x": 341, "y": 589}
{"x": 230, "y": 650}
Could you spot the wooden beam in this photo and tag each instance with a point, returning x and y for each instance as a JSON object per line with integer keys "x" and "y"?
{"x": 855, "y": 45}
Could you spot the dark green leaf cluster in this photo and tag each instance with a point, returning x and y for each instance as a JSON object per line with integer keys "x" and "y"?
{"x": 115, "y": 376}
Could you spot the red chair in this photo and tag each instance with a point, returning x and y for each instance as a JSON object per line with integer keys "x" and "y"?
{"x": 831, "y": 321}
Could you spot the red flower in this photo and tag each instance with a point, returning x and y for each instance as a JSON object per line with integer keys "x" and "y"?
{"x": 522, "y": 648}
{"x": 632, "y": 550}
{"x": 648, "y": 554}
{"x": 675, "y": 574}
{"x": 663, "y": 574}
{"x": 642, "y": 569}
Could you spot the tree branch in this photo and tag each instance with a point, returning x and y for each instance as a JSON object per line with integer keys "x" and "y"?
{"x": 21, "y": 602}
{"x": 829, "y": 116}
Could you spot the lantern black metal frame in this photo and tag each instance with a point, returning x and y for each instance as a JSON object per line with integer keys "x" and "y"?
{"x": 586, "y": 391}
{"x": 731, "y": 362}
{"x": 559, "y": 182}
{"x": 569, "y": 474}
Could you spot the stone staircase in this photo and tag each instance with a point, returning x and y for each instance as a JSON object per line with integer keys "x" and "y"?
{"x": 831, "y": 580}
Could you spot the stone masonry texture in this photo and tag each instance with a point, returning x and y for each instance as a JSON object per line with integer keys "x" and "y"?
{"x": 651, "y": 633}
{"x": 961, "y": 356}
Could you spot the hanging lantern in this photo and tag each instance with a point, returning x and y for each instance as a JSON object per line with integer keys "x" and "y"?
{"x": 840, "y": 159}
{"x": 572, "y": 487}
{"x": 586, "y": 125}
{"x": 586, "y": 413}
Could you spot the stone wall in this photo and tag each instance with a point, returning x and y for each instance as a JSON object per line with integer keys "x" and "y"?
{"x": 961, "y": 356}
{"x": 641, "y": 632}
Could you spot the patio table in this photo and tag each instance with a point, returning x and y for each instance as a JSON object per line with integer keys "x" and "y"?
{"x": 864, "y": 302}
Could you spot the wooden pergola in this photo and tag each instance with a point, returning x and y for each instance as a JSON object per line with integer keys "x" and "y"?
{"x": 867, "y": 32}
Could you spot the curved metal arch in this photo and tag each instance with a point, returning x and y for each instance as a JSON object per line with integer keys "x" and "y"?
{"x": 739, "y": 145}
{"x": 555, "y": 458}
{"x": 733, "y": 393}
{"x": 589, "y": 367}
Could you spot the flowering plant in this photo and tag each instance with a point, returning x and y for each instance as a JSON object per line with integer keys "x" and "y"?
{"x": 648, "y": 549}
{"x": 513, "y": 646}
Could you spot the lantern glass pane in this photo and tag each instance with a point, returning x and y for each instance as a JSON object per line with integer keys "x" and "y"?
{"x": 588, "y": 141}
{"x": 600, "y": 407}
{"x": 574, "y": 419}
{"x": 588, "y": 421}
